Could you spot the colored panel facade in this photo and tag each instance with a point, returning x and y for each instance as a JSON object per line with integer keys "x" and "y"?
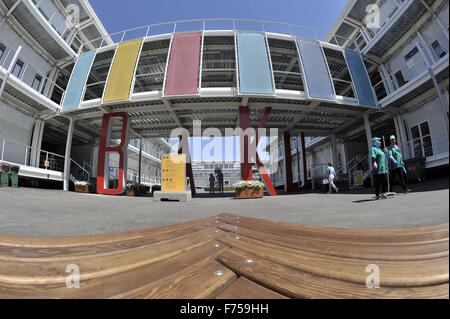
{"x": 315, "y": 68}
{"x": 78, "y": 78}
{"x": 360, "y": 77}
{"x": 255, "y": 73}
{"x": 183, "y": 71}
{"x": 123, "y": 69}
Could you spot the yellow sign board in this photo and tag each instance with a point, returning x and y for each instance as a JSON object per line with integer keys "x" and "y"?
{"x": 173, "y": 173}
{"x": 358, "y": 178}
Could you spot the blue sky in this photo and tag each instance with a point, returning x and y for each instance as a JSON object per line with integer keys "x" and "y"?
{"x": 126, "y": 14}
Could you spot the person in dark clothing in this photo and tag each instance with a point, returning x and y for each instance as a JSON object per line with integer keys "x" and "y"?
{"x": 396, "y": 166}
{"x": 220, "y": 180}
{"x": 212, "y": 184}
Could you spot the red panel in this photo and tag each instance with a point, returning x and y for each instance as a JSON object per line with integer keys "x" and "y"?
{"x": 184, "y": 64}
{"x": 104, "y": 149}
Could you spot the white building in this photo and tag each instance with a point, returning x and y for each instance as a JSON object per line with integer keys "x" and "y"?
{"x": 44, "y": 38}
{"x": 407, "y": 58}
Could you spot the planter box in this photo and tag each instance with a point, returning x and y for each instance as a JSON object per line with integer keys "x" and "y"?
{"x": 136, "y": 193}
{"x": 249, "y": 193}
{"x": 82, "y": 189}
{"x": 131, "y": 192}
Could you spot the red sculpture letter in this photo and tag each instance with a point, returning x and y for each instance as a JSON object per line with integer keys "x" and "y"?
{"x": 104, "y": 149}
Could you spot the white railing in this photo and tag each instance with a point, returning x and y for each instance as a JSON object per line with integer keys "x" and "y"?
{"x": 54, "y": 18}
{"x": 21, "y": 154}
{"x": 210, "y": 24}
{"x": 410, "y": 71}
{"x": 32, "y": 77}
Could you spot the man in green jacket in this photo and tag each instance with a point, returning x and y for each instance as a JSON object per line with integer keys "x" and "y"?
{"x": 380, "y": 169}
{"x": 396, "y": 165}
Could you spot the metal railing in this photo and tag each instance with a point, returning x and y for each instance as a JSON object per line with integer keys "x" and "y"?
{"x": 21, "y": 154}
{"x": 79, "y": 172}
{"x": 32, "y": 77}
{"x": 433, "y": 49}
{"x": 211, "y": 24}
{"x": 54, "y": 18}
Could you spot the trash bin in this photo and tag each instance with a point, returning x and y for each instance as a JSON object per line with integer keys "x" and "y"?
{"x": 5, "y": 172}
{"x": 415, "y": 169}
{"x": 14, "y": 176}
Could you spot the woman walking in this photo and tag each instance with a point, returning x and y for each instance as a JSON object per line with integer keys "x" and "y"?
{"x": 331, "y": 175}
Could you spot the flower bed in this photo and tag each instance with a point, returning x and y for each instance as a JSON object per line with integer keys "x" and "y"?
{"x": 82, "y": 187}
{"x": 249, "y": 189}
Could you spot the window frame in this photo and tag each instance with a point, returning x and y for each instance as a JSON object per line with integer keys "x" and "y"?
{"x": 21, "y": 64}
{"x": 39, "y": 78}
{"x": 3, "y": 50}
{"x": 421, "y": 138}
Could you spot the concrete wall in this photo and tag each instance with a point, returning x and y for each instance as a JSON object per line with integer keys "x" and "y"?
{"x": 431, "y": 112}
{"x": 17, "y": 127}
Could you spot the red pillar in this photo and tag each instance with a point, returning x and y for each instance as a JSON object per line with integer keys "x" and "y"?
{"x": 183, "y": 148}
{"x": 288, "y": 178}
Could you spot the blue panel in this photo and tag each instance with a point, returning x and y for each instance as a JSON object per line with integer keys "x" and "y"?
{"x": 361, "y": 80}
{"x": 78, "y": 79}
{"x": 255, "y": 74}
{"x": 315, "y": 69}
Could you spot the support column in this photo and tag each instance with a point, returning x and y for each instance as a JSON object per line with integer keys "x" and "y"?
{"x": 36, "y": 143}
{"x": 140, "y": 161}
{"x": 369, "y": 140}
{"x": 398, "y": 135}
{"x": 304, "y": 160}
{"x": 442, "y": 101}
{"x": 406, "y": 150}
{"x": 67, "y": 158}
{"x": 288, "y": 176}
{"x": 244, "y": 124}
{"x": 183, "y": 148}
{"x": 334, "y": 151}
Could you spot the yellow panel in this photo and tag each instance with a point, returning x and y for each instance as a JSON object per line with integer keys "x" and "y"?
{"x": 173, "y": 173}
{"x": 122, "y": 72}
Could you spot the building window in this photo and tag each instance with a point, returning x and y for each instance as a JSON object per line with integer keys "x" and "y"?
{"x": 2, "y": 50}
{"x": 438, "y": 50}
{"x": 37, "y": 82}
{"x": 400, "y": 78}
{"x": 421, "y": 139}
{"x": 18, "y": 68}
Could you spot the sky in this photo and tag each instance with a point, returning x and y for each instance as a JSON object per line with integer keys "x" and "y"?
{"x": 126, "y": 14}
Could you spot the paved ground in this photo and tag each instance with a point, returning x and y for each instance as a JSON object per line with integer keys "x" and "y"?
{"x": 35, "y": 212}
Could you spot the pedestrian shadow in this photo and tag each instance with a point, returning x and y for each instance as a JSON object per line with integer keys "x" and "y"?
{"x": 364, "y": 201}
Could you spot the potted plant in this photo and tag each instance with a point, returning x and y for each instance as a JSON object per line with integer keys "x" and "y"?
{"x": 249, "y": 189}
{"x": 82, "y": 187}
{"x": 135, "y": 189}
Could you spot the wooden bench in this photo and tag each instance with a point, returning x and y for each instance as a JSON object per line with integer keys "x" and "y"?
{"x": 230, "y": 256}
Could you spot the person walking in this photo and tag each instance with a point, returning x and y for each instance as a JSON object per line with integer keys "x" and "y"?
{"x": 331, "y": 175}
{"x": 212, "y": 184}
{"x": 396, "y": 165}
{"x": 380, "y": 169}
